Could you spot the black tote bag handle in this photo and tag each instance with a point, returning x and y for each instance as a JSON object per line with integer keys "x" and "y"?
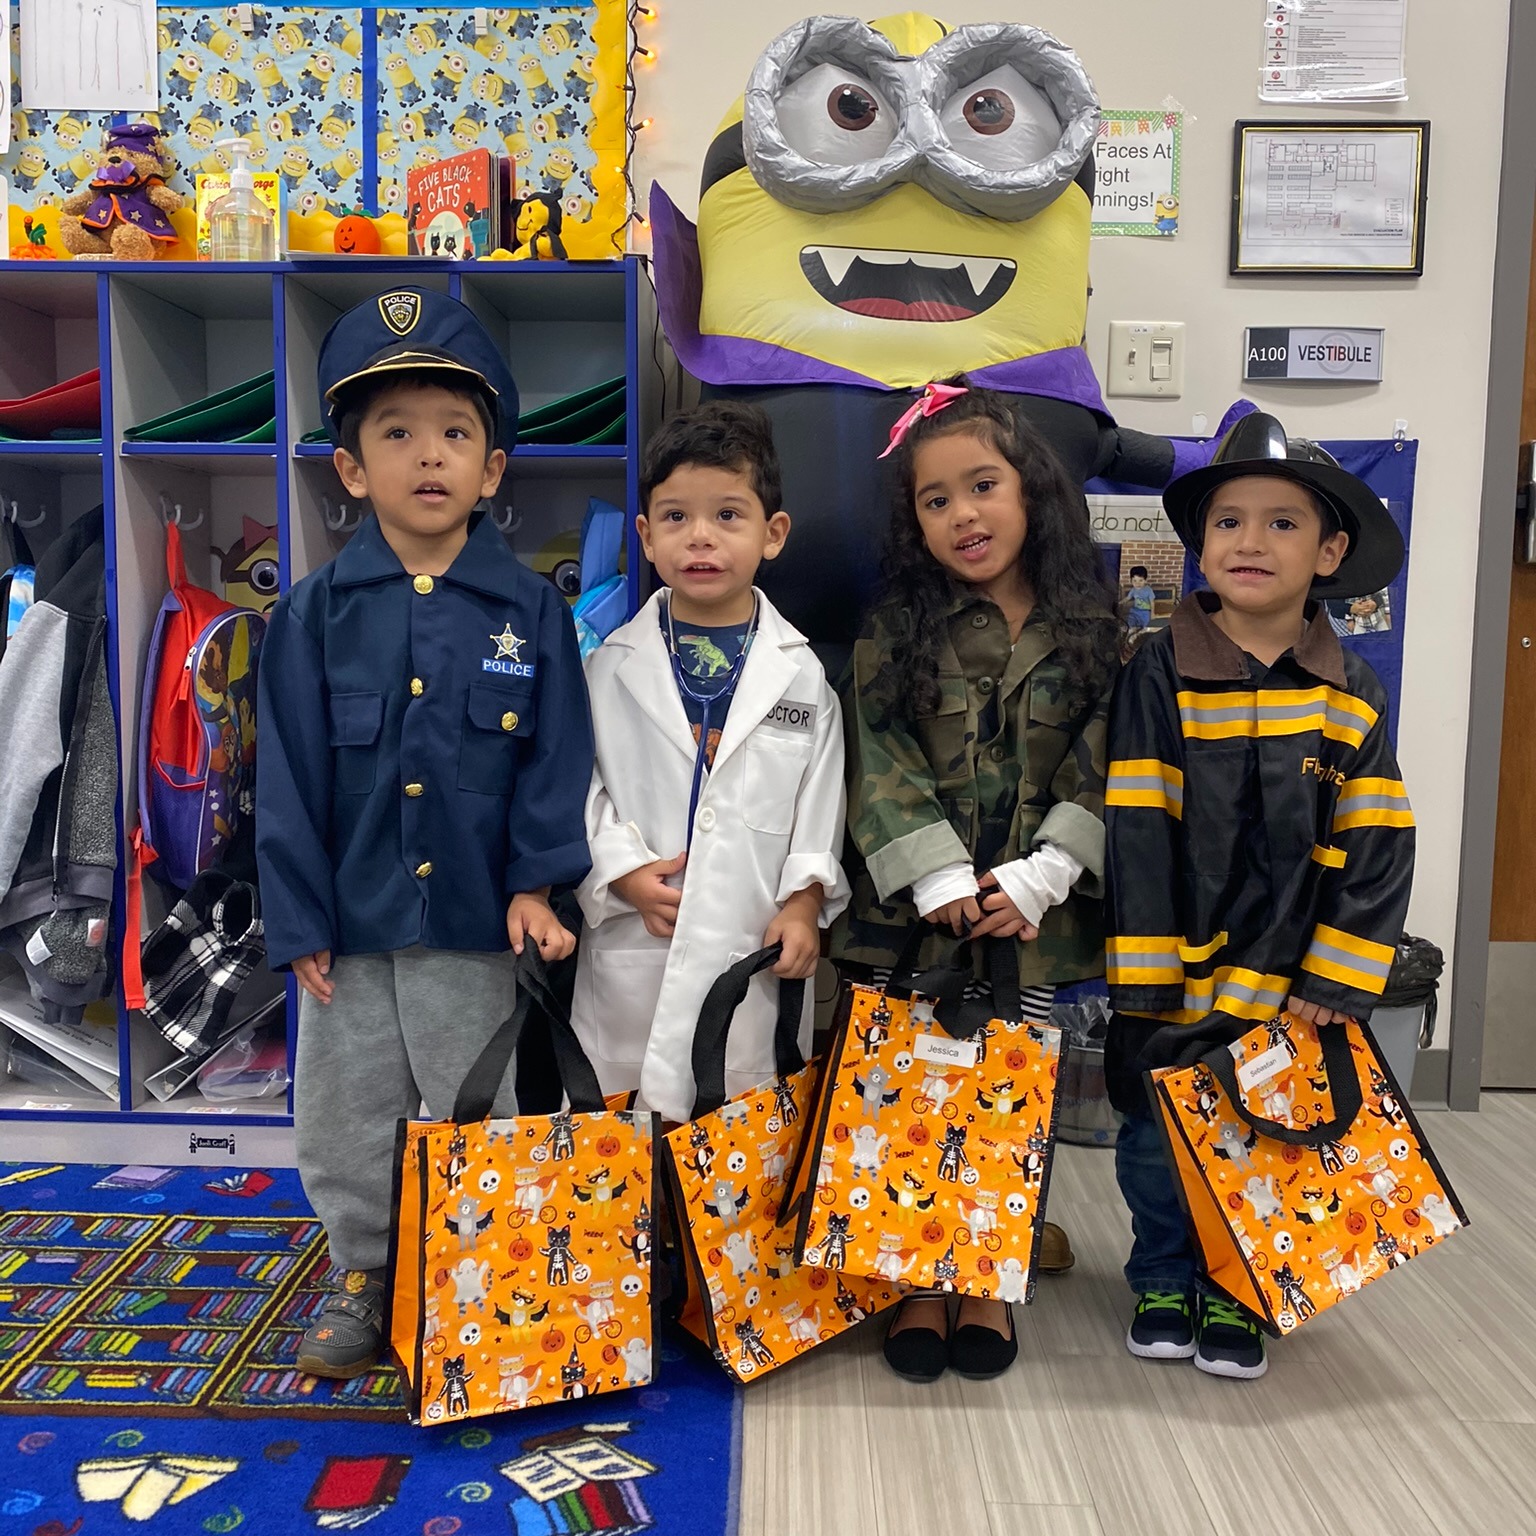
{"x": 478, "y": 1091}
{"x": 1343, "y": 1087}
{"x": 720, "y": 1004}
{"x": 946, "y": 984}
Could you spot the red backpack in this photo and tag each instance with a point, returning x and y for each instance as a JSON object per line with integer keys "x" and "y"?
{"x": 197, "y": 742}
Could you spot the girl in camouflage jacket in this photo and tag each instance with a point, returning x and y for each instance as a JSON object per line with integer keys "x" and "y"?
{"x": 976, "y": 745}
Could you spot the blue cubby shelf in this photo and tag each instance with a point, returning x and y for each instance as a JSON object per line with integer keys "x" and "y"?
{"x": 275, "y": 313}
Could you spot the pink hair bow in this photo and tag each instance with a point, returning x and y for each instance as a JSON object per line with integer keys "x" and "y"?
{"x": 934, "y": 398}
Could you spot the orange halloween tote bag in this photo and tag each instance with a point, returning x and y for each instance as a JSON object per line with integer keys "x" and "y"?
{"x": 1302, "y": 1170}
{"x": 934, "y": 1133}
{"x": 521, "y": 1263}
{"x": 727, "y": 1173}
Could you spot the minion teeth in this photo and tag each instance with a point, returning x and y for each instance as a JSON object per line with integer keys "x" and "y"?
{"x": 906, "y": 285}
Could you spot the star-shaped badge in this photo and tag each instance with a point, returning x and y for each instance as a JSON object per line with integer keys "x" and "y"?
{"x": 508, "y": 646}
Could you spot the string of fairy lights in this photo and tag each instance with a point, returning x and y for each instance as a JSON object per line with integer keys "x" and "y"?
{"x": 642, "y": 14}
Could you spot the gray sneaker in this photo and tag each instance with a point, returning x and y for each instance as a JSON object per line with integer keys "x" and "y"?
{"x": 348, "y": 1336}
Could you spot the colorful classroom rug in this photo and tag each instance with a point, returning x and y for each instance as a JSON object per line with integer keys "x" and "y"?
{"x": 148, "y": 1320}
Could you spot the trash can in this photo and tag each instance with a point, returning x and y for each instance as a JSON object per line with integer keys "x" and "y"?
{"x": 1084, "y": 1114}
{"x": 1404, "y": 1020}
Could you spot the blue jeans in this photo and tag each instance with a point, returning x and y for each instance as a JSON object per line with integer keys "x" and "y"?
{"x": 1163, "y": 1256}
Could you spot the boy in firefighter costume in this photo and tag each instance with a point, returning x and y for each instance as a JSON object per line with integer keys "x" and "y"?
{"x": 1260, "y": 840}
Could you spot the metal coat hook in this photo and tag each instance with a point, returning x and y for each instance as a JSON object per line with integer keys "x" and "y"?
{"x": 506, "y": 517}
{"x": 336, "y": 520}
{"x": 37, "y": 522}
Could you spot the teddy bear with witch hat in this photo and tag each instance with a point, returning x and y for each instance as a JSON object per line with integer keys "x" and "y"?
{"x": 123, "y": 212}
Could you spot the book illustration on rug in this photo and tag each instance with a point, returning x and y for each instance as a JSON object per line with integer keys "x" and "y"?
{"x": 141, "y": 1486}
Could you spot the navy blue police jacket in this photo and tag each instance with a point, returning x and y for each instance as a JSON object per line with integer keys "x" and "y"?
{"x": 425, "y": 751}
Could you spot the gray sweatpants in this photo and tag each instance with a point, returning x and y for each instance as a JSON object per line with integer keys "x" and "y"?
{"x": 400, "y": 1030}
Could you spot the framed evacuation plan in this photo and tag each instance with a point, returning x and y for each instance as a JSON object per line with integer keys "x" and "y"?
{"x": 1336, "y": 199}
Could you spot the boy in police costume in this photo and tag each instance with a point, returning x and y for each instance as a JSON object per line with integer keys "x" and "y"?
{"x": 425, "y": 751}
{"x": 1260, "y": 840}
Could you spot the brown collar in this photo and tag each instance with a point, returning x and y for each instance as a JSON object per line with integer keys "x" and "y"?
{"x": 1204, "y": 653}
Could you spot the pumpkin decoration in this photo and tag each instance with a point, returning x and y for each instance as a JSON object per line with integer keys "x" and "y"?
{"x": 356, "y": 235}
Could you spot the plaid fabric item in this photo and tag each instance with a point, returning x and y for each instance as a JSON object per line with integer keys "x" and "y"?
{"x": 196, "y": 961}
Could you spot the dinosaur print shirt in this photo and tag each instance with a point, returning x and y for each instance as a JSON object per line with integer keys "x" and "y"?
{"x": 708, "y": 655}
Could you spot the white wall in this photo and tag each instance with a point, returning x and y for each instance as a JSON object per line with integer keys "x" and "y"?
{"x": 1204, "y": 54}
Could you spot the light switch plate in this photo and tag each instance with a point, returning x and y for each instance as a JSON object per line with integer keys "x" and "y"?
{"x": 1146, "y": 359}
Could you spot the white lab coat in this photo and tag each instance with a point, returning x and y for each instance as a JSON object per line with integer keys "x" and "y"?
{"x": 769, "y": 823}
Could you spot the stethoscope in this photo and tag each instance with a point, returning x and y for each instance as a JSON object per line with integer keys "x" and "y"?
{"x": 706, "y": 702}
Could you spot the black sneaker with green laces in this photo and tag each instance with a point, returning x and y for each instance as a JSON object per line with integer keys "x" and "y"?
{"x": 1163, "y": 1327}
{"x": 1230, "y": 1341}
{"x": 346, "y": 1338}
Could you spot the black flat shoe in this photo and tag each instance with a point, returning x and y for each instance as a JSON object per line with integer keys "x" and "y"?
{"x": 979, "y": 1353}
{"x": 919, "y": 1354}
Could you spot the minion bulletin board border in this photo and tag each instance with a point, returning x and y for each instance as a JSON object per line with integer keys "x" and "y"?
{"x": 342, "y": 100}
{"x": 1137, "y": 159}
{"x": 1389, "y": 467}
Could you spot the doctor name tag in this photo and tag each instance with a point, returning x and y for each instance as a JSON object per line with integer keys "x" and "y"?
{"x": 791, "y": 715}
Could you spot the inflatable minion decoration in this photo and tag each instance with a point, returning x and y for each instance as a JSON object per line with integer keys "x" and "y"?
{"x": 886, "y": 205}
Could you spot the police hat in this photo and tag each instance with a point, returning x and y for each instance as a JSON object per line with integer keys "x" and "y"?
{"x": 1257, "y": 445}
{"x": 409, "y": 331}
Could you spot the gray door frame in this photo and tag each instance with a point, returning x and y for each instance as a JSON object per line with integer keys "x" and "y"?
{"x": 1490, "y": 636}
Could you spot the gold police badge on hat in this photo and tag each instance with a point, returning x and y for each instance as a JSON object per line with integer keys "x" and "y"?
{"x": 400, "y": 311}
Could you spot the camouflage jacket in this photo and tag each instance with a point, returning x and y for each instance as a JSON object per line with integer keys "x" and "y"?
{"x": 1006, "y": 762}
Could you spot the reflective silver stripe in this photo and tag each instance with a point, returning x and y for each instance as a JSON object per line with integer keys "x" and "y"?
{"x": 1146, "y": 782}
{"x": 1246, "y": 994}
{"x": 1201, "y": 715}
{"x": 1350, "y": 962}
{"x": 1348, "y": 807}
{"x": 1139, "y": 960}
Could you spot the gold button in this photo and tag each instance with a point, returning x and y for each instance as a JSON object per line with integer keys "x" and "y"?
{"x": 423, "y": 584}
{"x": 413, "y": 791}
{"x": 509, "y": 720}
{"x": 423, "y": 870}
{"x": 417, "y": 687}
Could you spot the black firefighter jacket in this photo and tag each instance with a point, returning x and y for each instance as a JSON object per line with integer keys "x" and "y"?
{"x": 1260, "y": 840}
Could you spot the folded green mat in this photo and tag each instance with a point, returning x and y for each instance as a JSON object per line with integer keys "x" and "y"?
{"x": 319, "y": 435}
{"x": 587, "y": 416}
{"x": 238, "y": 414}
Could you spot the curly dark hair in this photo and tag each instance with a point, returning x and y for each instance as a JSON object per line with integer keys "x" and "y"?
{"x": 1073, "y": 592}
{"x": 720, "y": 434}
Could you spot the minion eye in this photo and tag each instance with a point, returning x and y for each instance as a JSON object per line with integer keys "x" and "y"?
{"x": 1001, "y": 121}
{"x": 263, "y": 577}
{"x": 851, "y": 106}
{"x": 990, "y": 112}
{"x": 831, "y": 117}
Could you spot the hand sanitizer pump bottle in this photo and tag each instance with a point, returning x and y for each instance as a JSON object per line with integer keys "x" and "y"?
{"x": 240, "y": 225}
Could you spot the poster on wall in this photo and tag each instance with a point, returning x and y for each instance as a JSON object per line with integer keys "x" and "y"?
{"x": 1340, "y": 199}
{"x": 1136, "y": 173}
{"x": 89, "y": 55}
{"x": 1335, "y": 50}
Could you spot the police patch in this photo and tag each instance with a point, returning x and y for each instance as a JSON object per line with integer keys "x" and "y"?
{"x": 400, "y": 311}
